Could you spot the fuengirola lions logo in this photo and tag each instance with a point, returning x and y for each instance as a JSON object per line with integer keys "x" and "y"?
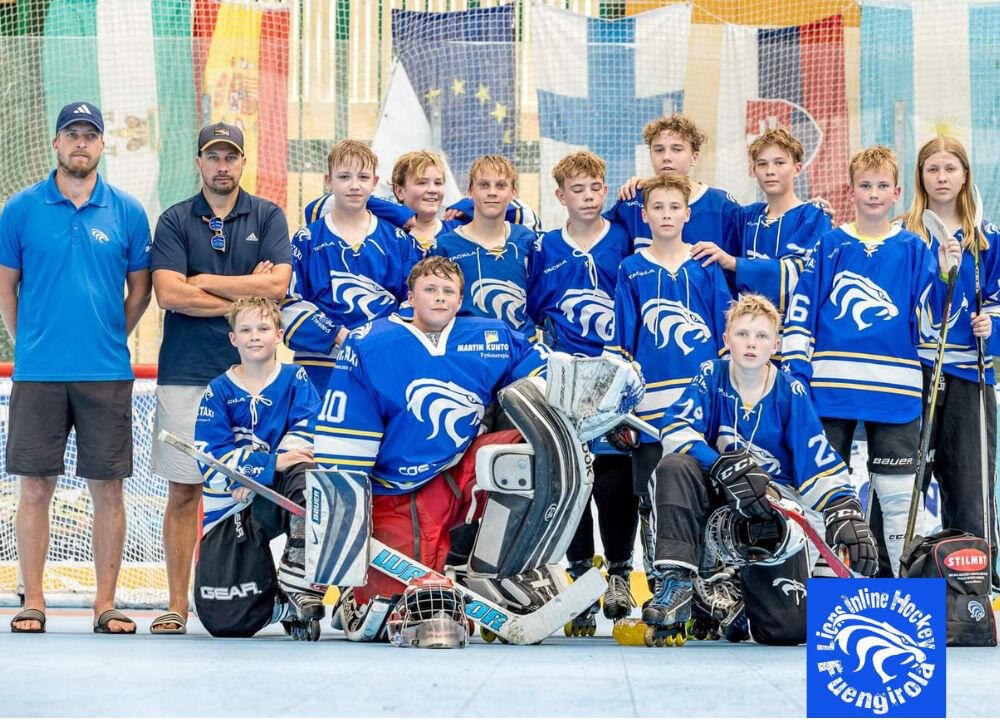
{"x": 444, "y": 404}
{"x": 877, "y": 650}
{"x": 359, "y": 293}
{"x": 590, "y": 306}
{"x": 499, "y": 298}
{"x": 669, "y": 319}
{"x": 857, "y": 294}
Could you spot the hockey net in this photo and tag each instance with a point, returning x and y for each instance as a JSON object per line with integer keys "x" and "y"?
{"x": 69, "y": 570}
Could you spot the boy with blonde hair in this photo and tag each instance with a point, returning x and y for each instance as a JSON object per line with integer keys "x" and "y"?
{"x": 740, "y": 430}
{"x": 571, "y": 299}
{"x": 852, "y": 331}
{"x": 493, "y": 253}
{"x": 255, "y": 416}
{"x": 349, "y": 267}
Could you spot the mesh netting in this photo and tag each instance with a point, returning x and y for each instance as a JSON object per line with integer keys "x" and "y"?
{"x": 69, "y": 572}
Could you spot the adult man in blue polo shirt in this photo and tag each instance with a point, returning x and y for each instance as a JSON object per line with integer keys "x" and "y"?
{"x": 67, "y": 244}
{"x": 208, "y": 250}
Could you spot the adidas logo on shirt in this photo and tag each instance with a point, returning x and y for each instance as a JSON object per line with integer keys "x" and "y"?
{"x": 252, "y": 237}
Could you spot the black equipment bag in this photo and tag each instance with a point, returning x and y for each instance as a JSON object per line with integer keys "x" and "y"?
{"x": 235, "y": 583}
{"x": 963, "y": 560}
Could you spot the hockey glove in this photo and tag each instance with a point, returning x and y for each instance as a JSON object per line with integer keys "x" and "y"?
{"x": 845, "y": 525}
{"x": 743, "y": 483}
{"x": 623, "y": 438}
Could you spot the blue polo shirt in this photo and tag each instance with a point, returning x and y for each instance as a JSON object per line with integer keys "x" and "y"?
{"x": 195, "y": 350}
{"x": 73, "y": 263}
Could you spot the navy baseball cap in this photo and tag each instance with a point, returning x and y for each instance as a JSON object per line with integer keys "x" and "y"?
{"x": 220, "y": 132}
{"x": 80, "y": 112}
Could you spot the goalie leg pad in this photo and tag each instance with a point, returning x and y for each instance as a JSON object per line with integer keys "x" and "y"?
{"x": 338, "y": 527}
{"x": 530, "y": 525}
{"x": 524, "y": 592}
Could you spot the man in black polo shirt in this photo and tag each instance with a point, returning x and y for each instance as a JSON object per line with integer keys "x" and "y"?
{"x": 208, "y": 250}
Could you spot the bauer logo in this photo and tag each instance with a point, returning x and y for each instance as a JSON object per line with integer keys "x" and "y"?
{"x": 876, "y": 648}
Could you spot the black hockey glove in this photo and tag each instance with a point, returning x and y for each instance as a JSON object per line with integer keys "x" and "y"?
{"x": 623, "y": 438}
{"x": 743, "y": 483}
{"x": 845, "y": 525}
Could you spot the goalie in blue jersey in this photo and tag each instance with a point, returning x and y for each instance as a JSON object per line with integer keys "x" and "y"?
{"x": 405, "y": 404}
{"x": 743, "y": 429}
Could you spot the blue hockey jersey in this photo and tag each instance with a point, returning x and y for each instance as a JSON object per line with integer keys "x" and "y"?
{"x": 495, "y": 281}
{"x": 404, "y": 409}
{"x": 336, "y": 285}
{"x": 852, "y": 326}
{"x": 772, "y": 253}
{"x": 571, "y": 292}
{"x": 960, "y": 355}
{"x": 668, "y": 322}
{"x": 715, "y": 217}
{"x": 782, "y": 432}
{"x": 247, "y": 431}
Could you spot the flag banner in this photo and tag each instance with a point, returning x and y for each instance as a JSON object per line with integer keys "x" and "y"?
{"x": 459, "y": 68}
{"x": 599, "y": 82}
{"x": 793, "y": 78}
{"x": 241, "y": 78}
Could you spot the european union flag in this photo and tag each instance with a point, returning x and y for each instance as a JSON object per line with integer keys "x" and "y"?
{"x": 461, "y": 66}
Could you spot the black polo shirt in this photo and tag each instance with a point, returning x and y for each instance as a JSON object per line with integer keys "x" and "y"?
{"x": 195, "y": 350}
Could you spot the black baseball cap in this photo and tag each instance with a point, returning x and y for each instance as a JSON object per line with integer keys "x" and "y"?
{"x": 220, "y": 132}
{"x": 80, "y": 112}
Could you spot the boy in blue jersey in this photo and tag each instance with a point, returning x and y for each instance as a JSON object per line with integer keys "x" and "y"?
{"x": 674, "y": 147}
{"x": 255, "y": 418}
{"x": 740, "y": 428}
{"x": 776, "y": 235}
{"x": 494, "y": 254}
{"x": 669, "y": 318}
{"x": 852, "y": 330}
{"x": 406, "y": 403}
{"x": 349, "y": 267}
{"x": 571, "y": 299}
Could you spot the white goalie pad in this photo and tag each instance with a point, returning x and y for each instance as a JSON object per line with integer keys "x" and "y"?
{"x": 338, "y": 527}
{"x": 506, "y": 469}
{"x": 595, "y": 393}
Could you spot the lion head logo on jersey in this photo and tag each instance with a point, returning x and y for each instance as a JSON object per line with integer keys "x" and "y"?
{"x": 857, "y": 294}
{"x": 669, "y": 319}
{"x": 930, "y": 330}
{"x": 499, "y": 298}
{"x": 359, "y": 293}
{"x": 878, "y": 640}
{"x": 444, "y": 404}
{"x": 728, "y": 440}
{"x": 590, "y": 306}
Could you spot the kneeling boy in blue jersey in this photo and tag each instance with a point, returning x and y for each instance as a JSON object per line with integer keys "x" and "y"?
{"x": 852, "y": 331}
{"x": 740, "y": 426}
{"x": 254, "y": 418}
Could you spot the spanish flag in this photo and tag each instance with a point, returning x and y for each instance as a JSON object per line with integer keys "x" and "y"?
{"x": 241, "y": 78}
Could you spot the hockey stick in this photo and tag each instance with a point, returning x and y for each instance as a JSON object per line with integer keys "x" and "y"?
{"x": 527, "y": 629}
{"x": 981, "y": 367}
{"x": 940, "y": 233}
{"x": 836, "y": 564}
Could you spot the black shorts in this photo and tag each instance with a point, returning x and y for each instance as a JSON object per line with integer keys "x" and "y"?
{"x": 892, "y": 449}
{"x": 42, "y": 413}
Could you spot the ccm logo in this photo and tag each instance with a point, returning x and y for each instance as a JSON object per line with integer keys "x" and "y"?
{"x": 969, "y": 559}
{"x": 229, "y": 593}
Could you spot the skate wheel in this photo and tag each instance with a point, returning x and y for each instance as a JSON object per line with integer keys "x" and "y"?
{"x": 649, "y": 637}
{"x": 568, "y": 629}
{"x": 487, "y": 634}
{"x": 287, "y": 627}
{"x": 313, "y": 631}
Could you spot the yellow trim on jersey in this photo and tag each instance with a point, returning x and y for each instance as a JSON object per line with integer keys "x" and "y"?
{"x": 865, "y": 356}
{"x": 665, "y": 383}
{"x": 316, "y": 363}
{"x": 347, "y": 431}
{"x": 870, "y": 388}
{"x": 330, "y": 460}
{"x": 826, "y": 498}
{"x": 296, "y": 325}
{"x": 804, "y": 486}
{"x": 654, "y": 416}
{"x": 798, "y": 328}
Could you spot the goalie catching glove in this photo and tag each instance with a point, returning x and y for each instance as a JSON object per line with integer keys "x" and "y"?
{"x": 743, "y": 483}
{"x": 845, "y": 525}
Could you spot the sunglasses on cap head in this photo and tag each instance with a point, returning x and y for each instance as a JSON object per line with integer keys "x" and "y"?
{"x": 218, "y": 239}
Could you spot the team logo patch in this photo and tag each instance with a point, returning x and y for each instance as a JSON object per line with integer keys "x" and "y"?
{"x": 99, "y": 236}
{"x": 360, "y": 294}
{"x": 448, "y": 407}
{"x": 670, "y": 320}
{"x": 501, "y": 299}
{"x": 491, "y": 336}
{"x": 856, "y": 294}
{"x": 790, "y": 588}
{"x": 591, "y": 309}
{"x": 876, "y": 648}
